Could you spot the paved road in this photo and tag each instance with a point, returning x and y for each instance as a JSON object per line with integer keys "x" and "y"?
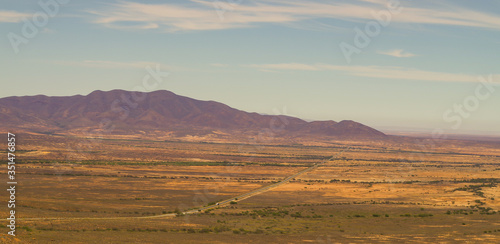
{"x": 263, "y": 189}
{"x": 221, "y": 203}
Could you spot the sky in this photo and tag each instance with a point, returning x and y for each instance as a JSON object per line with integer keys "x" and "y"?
{"x": 427, "y": 65}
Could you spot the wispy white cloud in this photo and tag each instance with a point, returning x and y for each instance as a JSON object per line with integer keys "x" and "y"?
{"x": 8, "y": 16}
{"x": 387, "y": 72}
{"x": 203, "y": 14}
{"x": 286, "y": 66}
{"x": 116, "y": 65}
{"x": 111, "y": 64}
{"x": 48, "y": 31}
{"x": 402, "y": 73}
{"x": 398, "y": 53}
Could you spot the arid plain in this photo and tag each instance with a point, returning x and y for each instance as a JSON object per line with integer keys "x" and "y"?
{"x": 136, "y": 190}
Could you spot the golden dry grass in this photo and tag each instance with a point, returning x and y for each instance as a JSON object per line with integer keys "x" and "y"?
{"x": 440, "y": 194}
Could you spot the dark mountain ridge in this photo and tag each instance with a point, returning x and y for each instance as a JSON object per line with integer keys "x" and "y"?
{"x": 158, "y": 110}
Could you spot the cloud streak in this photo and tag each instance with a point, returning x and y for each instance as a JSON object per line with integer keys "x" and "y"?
{"x": 398, "y": 53}
{"x": 287, "y": 66}
{"x": 7, "y": 16}
{"x": 105, "y": 64}
{"x": 385, "y": 72}
{"x": 198, "y": 15}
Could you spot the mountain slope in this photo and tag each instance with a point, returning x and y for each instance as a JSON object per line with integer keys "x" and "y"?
{"x": 158, "y": 110}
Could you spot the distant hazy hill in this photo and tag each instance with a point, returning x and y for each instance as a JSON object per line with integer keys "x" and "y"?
{"x": 158, "y": 110}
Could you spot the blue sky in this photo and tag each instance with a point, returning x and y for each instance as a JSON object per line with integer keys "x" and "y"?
{"x": 414, "y": 67}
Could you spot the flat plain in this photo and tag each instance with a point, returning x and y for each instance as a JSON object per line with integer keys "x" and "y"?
{"x": 116, "y": 191}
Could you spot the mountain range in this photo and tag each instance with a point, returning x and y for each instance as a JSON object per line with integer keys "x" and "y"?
{"x": 120, "y": 111}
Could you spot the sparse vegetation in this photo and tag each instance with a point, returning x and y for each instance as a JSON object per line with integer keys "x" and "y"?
{"x": 369, "y": 188}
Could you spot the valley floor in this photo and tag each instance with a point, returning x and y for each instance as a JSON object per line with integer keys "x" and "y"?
{"x": 375, "y": 192}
